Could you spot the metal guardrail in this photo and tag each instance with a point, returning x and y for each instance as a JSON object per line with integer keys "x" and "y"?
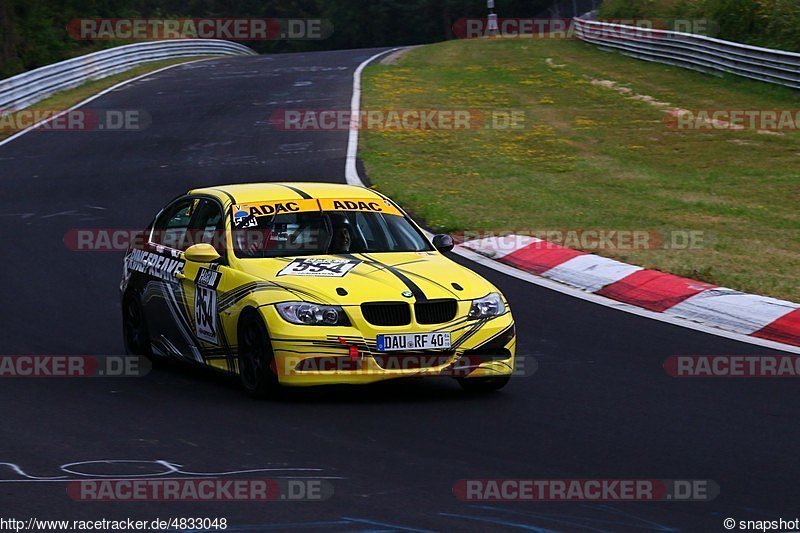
{"x": 27, "y": 88}
{"x": 695, "y": 52}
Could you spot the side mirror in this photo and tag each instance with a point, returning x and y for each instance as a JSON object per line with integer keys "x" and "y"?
{"x": 201, "y": 253}
{"x": 443, "y": 242}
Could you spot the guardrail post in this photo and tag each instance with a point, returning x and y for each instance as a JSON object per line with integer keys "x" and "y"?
{"x": 492, "y": 28}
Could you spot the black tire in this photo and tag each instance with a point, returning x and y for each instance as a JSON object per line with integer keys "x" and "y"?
{"x": 134, "y": 327}
{"x": 483, "y": 385}
{"x": 256, "y": 359}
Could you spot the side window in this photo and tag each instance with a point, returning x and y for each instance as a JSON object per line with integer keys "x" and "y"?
{"x": 364, "y": 227}
{"x": 207, "y": 226}
{"x": 170, "y": 227}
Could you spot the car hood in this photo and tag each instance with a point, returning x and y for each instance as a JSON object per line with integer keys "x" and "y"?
{"x": 374, "y": 277}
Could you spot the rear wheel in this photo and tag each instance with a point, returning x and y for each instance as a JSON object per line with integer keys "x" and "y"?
{"x": 483, "y": 385}
{"x": 134, "y": 327}
{"x": 257, "y": 371}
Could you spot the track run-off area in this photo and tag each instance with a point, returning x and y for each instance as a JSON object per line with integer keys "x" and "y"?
{"x": 600, "y": 404}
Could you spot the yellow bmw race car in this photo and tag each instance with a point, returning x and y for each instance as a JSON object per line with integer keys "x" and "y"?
{"x": 310, "y": 284}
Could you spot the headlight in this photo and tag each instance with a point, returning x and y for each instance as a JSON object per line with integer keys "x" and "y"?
{"x": 487, "y": 306}
{"x": 312, "y": 314}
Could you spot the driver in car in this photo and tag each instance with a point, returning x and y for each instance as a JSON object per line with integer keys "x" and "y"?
{"x": 341, "y": 239}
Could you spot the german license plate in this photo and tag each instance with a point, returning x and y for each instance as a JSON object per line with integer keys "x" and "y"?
{"x": 413, "y": 341}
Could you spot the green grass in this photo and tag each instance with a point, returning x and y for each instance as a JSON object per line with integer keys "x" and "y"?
{"x": 590, "y": 157}
{"x": 63, "y": 100}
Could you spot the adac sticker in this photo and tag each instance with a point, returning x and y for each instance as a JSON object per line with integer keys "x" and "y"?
{"x": 369, "y": 205}
{"x": 244, "y": 215}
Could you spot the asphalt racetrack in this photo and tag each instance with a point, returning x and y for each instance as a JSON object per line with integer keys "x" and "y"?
{"x": 599, "y": 406}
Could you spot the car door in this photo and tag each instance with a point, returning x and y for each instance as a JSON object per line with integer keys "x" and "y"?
{"x": 163, "y": 299}
{"x": 203, "y": 284}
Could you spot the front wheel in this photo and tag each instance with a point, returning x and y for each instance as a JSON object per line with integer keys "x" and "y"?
{"x": 257, "y": 371}
{"x": 482, "y": 385}
{"x": 134, "y": 327}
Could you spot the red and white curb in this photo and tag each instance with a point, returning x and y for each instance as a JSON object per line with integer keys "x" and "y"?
{"x": 745, "y": 314}
{"x": 648, "y": 293}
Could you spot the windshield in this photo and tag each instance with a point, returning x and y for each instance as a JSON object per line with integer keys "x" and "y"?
{"x": 324, "y": 233}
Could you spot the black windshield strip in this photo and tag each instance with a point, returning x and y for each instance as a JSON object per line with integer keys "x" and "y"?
{"x": 229, "y": 195}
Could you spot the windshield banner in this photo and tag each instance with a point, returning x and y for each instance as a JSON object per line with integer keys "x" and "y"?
{"x": 244, "y": 215}
{"x": 369, "y": 205}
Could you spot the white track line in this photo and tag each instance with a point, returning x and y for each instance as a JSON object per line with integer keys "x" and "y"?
{"x": 353, "y": 178}
{"x": 94, "y": 97}
{"x": 350, "y": 169}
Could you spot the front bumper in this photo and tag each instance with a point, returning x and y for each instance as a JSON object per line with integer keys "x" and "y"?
{"x": 318, "y": 355}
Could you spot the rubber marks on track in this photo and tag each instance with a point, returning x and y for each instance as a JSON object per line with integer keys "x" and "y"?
{"x": 748, "y": 314}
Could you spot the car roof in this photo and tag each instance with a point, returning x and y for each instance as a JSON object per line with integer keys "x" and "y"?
{"x": 258, "y": 192}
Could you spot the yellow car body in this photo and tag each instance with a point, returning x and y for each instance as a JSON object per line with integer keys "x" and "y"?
{"x": 192, "y": 292}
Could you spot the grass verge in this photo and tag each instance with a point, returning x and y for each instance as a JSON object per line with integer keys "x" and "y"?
{"x": 594, "y": 155}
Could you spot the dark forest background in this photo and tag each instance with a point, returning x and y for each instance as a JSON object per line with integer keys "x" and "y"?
{"x": 33, "y": 32}
{"x": 770, "y": 23}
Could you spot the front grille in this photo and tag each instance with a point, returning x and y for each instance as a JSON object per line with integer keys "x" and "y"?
{"x": 435, "y": 311}
{"x": 387, "y": 313}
